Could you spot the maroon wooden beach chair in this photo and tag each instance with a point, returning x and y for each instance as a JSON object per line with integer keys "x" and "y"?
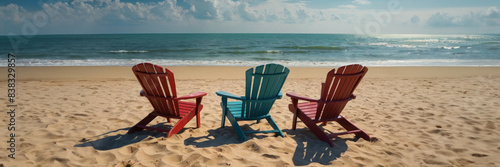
{"x": 158, "y": 86}
{"x": 335, "y": 93}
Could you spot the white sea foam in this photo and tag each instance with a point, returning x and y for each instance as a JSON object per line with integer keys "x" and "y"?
{"x": 379, "y": 44}
{"x": 423, "y": 40}
{"x": 451, "y": 47}
{"x": 274, "y": 51}
{"x": 128, "y": 51}
{"x": 131, "y": 62}
{"x": 392, "y": 45}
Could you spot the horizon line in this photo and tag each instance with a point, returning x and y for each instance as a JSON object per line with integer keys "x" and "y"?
{"x": 305, "y": 33}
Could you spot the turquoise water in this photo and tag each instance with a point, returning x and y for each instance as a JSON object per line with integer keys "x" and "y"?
{"x": 254, "y": 49}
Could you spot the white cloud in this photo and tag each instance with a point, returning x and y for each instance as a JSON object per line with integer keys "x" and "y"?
{"x": 204, "y": 9}
{"x": 191, "y": 15}
{"x": 243, "y": 16}
{"x": 115, "y": 11}
{"x": 415, "y": 19}
{"x": 110, "y": 12}
{"x": 246, "y": 13}
{"x": 489, "y": 17}
{"x": 335, "y": 17}
{"x": 361, "y": 2}
{"x": 167, "y": 10}
{"x": 13, "y": 13}
{"x": 348, "y": 6}
{"x": 301, "y": 14}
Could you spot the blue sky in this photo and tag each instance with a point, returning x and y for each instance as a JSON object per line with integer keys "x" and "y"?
{"x": 249, "y": 16}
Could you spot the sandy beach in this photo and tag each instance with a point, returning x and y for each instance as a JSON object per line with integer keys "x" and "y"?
{"x": 417, "y": 116}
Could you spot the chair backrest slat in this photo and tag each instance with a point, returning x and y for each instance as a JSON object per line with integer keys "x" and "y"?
{"x": 262, "y": 83}
{"x": 339, "y": 85}
{"x": 156, "y": 85}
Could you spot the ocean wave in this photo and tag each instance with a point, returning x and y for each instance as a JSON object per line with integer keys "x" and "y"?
{"x": 128, "y": 51}
{"x": 174, "y": 50}
{"x": 313, "y": 47}
{"x": 493, "y": 42}
{"x": 253, "y": 52}
{"x": 262, "y": 58}
{"x": 273, "y": 51}
{"x": 435, "y": 62}
{"x": 423, "y": 40}
{"x": 236, "y": 48}
{"x": 450, "y": 47}
{"x": 295, "y": 63}
{"x": 154, "y": 51}
{"x": 392, "y": 45}
{"x": 494, "y": 48}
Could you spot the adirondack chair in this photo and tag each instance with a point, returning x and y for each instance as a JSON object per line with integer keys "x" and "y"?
{"x": 158, "y": 86}
{"x": 335, "y": 93}
{"x": 263, "y": 85}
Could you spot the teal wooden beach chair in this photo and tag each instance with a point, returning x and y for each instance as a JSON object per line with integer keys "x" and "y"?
{"x": 263, "y": 85}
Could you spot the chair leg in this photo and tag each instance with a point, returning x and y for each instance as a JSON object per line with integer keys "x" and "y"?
{"x": 275, "y": 127}
{"x": 223, "y": 120}
{"x": 294, "y": 111}
{"x": 223, "y": 105}
{"x": 143, "y": 122}
{"x": 314, "y": 128}
{"x": 236, "y": 126}
{"x": 181, "y": 123}
{"x": 349, "y": 126}
{"x": 198, "y": 123}
{"x": 198, "y": 119}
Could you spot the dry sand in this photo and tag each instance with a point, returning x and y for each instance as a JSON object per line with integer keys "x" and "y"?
{"x": 417, "y": 116}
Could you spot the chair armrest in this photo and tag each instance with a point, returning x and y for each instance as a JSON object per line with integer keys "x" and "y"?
{"x": 229, "y": 95}
{"x": 298, "y": 97}
{"x": 295, "y": 96}
{"x": 280, "y": 95}
{"x": 192, "y": 96}
{"x": 340, "y": 101}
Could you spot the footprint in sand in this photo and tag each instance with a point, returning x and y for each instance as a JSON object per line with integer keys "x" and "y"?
{"x": 83, "y": 115}
{"x": 127, "y": 163}
{"x": 458, "y": 150}
{"x": 271, "y": 156}
{"x": 479, "y": 155}
{"x": 490, "y": 125}
{"x": 173, "y": 158}
{"x": 434, "y": 162}
{"x": 446, "y": 153}
{"x": 254, "y": 147}
{"x": 427, "y": 115}
{"x": 461, "y": 162}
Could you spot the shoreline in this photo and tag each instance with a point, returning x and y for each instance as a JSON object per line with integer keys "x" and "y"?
{"x": 237, "y": 72}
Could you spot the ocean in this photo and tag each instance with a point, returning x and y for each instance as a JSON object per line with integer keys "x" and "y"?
{"x": 301, "y": 50}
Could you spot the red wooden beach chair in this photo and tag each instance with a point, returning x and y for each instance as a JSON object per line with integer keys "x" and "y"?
{"x": 158, "y": 85}
{"x": 335, "y": 93}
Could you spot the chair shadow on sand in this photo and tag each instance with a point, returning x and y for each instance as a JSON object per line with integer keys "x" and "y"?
{"x": 221, "y": 136}
{"x": 312, "y": 150}
{"x": 123, "y": 139}
{"x": 309, "y": 148}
